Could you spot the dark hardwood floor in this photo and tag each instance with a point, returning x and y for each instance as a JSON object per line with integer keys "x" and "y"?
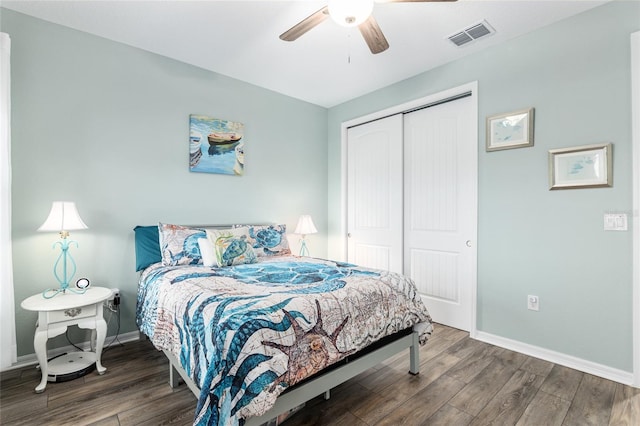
{"x": 462, "y": 382}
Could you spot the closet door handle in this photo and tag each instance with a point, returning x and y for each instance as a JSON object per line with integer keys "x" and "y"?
{"x": 468, "y": 243}
{"x": 348, "y": 234}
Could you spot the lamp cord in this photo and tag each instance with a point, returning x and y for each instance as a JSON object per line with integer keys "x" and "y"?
{"x": 71, "y": 343}
{"x": 115, "y": 309}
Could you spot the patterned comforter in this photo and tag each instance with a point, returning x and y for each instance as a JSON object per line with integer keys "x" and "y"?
{"x": 245, "y": 333}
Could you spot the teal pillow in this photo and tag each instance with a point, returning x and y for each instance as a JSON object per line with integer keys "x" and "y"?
{"x": 147, "y": 242}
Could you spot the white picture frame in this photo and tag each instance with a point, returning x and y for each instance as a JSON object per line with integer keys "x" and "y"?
{"x": 586, "y": 166}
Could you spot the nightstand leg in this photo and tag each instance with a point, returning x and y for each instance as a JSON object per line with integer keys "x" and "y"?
{"x": 40, "y": 346}
{"x": 92, "y": 342}
{"x": 101, "y": 334}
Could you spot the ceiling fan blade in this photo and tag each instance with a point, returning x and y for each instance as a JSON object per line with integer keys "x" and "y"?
{"x": 305, "y": 25}
{"x": 372, "y": 34}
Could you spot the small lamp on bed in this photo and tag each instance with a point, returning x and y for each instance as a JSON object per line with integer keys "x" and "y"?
{"x": 63, "y": 218}
{"x": 304, "y": 228}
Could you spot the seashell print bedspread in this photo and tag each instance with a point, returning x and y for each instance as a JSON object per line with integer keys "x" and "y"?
{"x": 245, "y": 333}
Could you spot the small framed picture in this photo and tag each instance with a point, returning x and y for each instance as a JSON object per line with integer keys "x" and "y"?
{"x": 510, "y": 130}
{"x": 587, "y": 166}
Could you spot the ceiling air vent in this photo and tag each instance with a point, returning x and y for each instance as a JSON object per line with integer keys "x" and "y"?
{"x": 472, "y": 33}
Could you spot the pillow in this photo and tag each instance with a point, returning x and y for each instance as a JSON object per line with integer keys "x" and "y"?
{"x": 207, "y": 251}
{"x": 147, "y": 243}
{"x": 232, "y": 247}
{"x": 179, "y": 244}
{"x": 268, "y": 240}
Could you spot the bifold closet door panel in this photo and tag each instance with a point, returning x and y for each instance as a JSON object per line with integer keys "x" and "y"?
{"x": 374, "y": 194}
{"x": 439, "y": 208}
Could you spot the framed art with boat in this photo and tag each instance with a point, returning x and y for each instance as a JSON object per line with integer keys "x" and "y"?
{"x": 216, "y": 145}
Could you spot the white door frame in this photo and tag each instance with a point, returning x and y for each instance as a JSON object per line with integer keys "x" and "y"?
{"x": 635, "y": 137}
{"x": 417, "y": 103}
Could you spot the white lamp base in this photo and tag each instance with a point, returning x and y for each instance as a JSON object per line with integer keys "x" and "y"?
{"x": 304, "y": 251}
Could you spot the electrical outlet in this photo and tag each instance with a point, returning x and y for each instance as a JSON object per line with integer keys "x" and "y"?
{"x": 533, "y": 303}
{"x": 115, "y": 292}
{"x": 113, "y": 301}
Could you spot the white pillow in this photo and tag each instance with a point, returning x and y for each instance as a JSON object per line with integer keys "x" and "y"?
{"x": 207, "y": 251}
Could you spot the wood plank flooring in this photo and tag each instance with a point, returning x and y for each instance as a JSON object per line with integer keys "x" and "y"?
{"x": 462, "y": 382}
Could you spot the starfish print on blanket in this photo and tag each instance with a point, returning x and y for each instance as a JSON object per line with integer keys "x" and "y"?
{"x": 312, "y": 351}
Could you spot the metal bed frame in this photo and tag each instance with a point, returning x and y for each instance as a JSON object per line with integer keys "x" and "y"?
{"x": 319, "y": 384}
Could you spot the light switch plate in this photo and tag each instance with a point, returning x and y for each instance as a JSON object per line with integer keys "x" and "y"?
{"x": 615, "y": 222}
{"x": 533, "y": 303}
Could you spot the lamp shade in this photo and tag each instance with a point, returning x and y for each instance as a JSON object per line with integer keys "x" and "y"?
{"x": 350, "y": 13}
{"x": 305, "y": 225}
{"x": 63, "y": 217}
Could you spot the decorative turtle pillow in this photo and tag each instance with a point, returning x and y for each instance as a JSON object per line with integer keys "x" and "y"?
{"x": 232, "y": 247}
{"x": 179, "y": 244}
{"x": 268, "y": 240}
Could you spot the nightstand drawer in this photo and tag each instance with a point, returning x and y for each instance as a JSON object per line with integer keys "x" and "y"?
{"x": 71, "y": 314}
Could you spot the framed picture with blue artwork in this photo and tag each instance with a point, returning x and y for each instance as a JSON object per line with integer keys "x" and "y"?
{"x": 587, "y": 166}
{"x": 510, "y": 130}
{"x": 216, "y": 145}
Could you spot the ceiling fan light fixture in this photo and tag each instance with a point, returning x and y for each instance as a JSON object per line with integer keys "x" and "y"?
{"x": 350, "y": 13}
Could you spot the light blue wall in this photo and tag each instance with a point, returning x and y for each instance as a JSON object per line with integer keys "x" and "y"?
{"x": 107, "y": 125}
{"x": 576, "y": 74}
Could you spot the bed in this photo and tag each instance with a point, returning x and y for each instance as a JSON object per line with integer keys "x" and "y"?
{"x": 255, "y": 331}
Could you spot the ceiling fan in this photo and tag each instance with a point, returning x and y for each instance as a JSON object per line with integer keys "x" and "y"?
{"x": 349, "y": 13}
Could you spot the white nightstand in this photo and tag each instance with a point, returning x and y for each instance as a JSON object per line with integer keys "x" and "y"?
{"x": 58, "y": 313}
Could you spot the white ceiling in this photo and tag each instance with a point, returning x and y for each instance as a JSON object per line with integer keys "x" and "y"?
{"x": 328, "y": 65}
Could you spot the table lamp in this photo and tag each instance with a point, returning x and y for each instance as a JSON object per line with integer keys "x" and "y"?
{"x": 304, "y": 228}
{"x": 63, "y": 218}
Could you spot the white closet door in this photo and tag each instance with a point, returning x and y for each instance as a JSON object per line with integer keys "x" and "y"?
{"x": 441, "y": 208}
{"x": 374, "y": 194}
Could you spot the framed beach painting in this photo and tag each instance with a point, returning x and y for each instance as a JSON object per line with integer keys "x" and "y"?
{"x": 215, "y": 145}
{"x": 587, "y": 166}
{"x": 510, "y": 130}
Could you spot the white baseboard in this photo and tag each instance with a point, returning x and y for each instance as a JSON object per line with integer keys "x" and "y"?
{"x": 620, "y": 376}
{"x": 30, "y": 359}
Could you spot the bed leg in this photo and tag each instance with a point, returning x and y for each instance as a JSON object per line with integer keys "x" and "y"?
{"x": 173, "y": 376}
{"x": 414, "y": 355}
{"x": 327, "y": 394}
